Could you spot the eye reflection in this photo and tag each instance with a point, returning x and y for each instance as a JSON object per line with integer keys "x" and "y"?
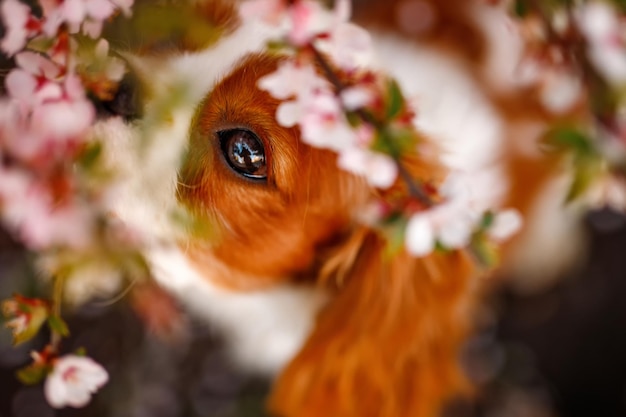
{"x": 244, "y": 152}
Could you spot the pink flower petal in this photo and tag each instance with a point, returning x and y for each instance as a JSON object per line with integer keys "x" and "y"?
{"x": 15, "y": 15}
{"x": 505, "y": 224}
{"x": 73, "y": 380}
{"x": 99, "y": 9}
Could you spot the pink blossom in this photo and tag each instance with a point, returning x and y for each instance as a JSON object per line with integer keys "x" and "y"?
{"x": 63, "y": 120}
{"x": 79, "y": 12}
{"x": 604, "y": 32}
{"x": 291, "y": 79}
{"x": 19, "y": 25}
{"x": 559, "y": 91}
{"x": 30, "y": 211}
{"x": 608, "y": 191}
{"x": 31, "y": 83}
{"x": 308, "y": 19}
{"x": 323, "y": 123}
{"x": 505, "y": 224}
{"x": 357, "y": 97}
{"x": 73, "y": 381}
{"x": 450, "y": 223}
{"x": 347, "y": 44}
{"x": 379, "y": 170}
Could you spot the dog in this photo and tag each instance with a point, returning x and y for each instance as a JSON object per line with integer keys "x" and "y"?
{"x": 301, "y": 289}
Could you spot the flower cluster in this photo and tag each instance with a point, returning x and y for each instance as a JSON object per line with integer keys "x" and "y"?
{"x": 577, "y": 61}
{"x": 338, "y": 104}
{"x": 70, "y": 379}
{"x": 48, "y": 165}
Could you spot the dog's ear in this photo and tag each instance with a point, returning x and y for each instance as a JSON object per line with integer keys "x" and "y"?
{"x": 387, "y": 344}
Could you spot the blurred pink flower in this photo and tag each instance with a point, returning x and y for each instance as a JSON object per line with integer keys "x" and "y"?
{"x": 307, "y": 20}
{"x": 323, "y": 123}
{"x": 357, "y": 97}
{"x": 73, "y": 380}
{"x": 347, "y": 44}
{"x": 291, "y": 79}
{"x": 604, "y": 31}
{"x": 451, "y": 223}
{"x": 19, "y": 25}
{"x": 80, "y": 12}
{"x": 505, "y": 224}
{"x": 379, "y": 170}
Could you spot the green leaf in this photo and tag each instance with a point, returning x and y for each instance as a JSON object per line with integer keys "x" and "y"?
{"x": 585, "y": 173}
{"x": 91, "y": 155}
{"x": 32, "y": 374}
{"x": 394, "y": 229}
{"x": 483, "y": 251}
{"x": 520, "y": 9}
{"x": 395, "y": 100}
{"x": 570, "y": 139}
{"x": 487, "y": 220}
{"x": 394, "y": 142}
{"x": 58, "y": 325}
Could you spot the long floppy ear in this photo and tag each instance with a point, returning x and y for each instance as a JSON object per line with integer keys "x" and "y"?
{"x": 387, "y": 344}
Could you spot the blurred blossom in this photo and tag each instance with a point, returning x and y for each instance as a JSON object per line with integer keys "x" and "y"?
{"x": 608, "y": 191}
{"x": 379, "y": 170}
{"x": 604, "y": 31}
{"x": 347, "y": 44}
{"x": 73, "y": 380}
{"x": 307, "y": 19}
{"x": 559, "y": 90}
{"x": 357, "y": 97}
{"x": 505, "y": 224}
{"x": 19, "y": 25}
{"x": 452, "y": 222}
{"x": 291, "y": 79}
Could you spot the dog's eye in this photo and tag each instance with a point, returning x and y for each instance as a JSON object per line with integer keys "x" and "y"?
{"x": 244, "y": 153}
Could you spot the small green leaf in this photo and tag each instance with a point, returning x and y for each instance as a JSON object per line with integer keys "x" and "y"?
{"x": 394, "y": 228}
{"x": 32, "y": 374}
{"x": 395, "y": 100}
{"x": 91, "y": 155}
{"x": 58, "y": 325}
{"x": 394, "y": 142}
{"x": 570, "y": 139}
{"x": 483, "y": 251}
{"x": 487, "y": 220}
{"x": 520, "y": 9}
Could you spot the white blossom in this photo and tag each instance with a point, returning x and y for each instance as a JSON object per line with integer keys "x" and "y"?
{"x": 73, "y": 380}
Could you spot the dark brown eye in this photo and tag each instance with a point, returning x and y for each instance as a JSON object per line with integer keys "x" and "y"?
{"x": 244, "y": 153}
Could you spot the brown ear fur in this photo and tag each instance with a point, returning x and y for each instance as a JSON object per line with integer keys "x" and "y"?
{"x": 387, "y": 345}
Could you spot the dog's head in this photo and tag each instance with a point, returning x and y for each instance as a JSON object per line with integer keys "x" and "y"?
{"x": 280, "y": 212}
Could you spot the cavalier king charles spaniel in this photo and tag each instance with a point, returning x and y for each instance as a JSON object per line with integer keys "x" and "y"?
{"x": 299, "y": 286}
